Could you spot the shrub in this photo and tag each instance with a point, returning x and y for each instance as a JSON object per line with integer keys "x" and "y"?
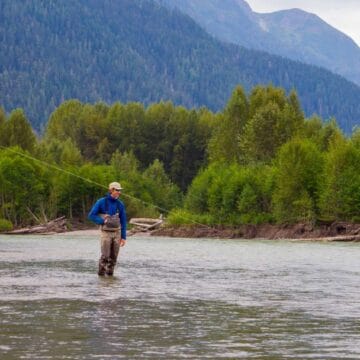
{"x": 5, "y": 225}
{"x": 183, "y": 217}
{"x": 179, "y": 217}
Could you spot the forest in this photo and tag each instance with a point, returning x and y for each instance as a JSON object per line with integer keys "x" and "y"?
{"x": 137, "y": 50}
{"x": 259, "y": 160}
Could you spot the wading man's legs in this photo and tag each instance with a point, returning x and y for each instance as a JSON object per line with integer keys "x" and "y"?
{"x": 109, "y": 252}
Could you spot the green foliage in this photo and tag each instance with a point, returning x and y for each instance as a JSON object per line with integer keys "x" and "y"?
{"x": 179, "y": 217}
{"x": 271, "y": 164}
{"x": 341, "y": 191}
{"x": 3, "y": 139}
{"x": 260, "y": 141}
{"x": 70, "y": 155}
{"x": 125, "y": 165}
{"x": 63, "y": 122}
{"x": 5, "y": 225}
{"x": 196, "y": 200}
{"x": 153, "y": 187}
{"x": 323, "y": 134}
{"x": 274, "y": 119}
{"x": 23, "y": 187}
{"x": 232, "y": 194}
{"x": 176, "y": 136}
{"x": 355, "y": 137}
{"x": 17, "y": 131}
{"x": 224, "y": 145}
{"x": 252, "y": 130}
{"x": 165, "y": 194}
{"x": 299, "y": 167}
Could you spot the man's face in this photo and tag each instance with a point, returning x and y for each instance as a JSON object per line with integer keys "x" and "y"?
{"x": 115, "y": 193}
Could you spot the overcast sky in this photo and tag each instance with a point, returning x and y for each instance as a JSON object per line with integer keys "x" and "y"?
{"x": 341, "y": 14}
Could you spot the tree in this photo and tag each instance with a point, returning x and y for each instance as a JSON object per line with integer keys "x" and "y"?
{"x": 355, "y": 137}
{"x": 124, "y": 165}
{"x": 232, "y": 194}
{"x": 92, "y": 132}
{"x": 291, "y": 123}
{"x": 299, "y": 167}
{"x": 165, "y": 194}
{"x": 123, "y": 126}
{"x": 19, "y": 132}
{"x": 157, "y": 139}
{"x": 188, "y": 147}
{"x": 320, "y": 133}
{"x": 273, "y": 120}
{"x": 260, "y": 141}
{"x": 197, "y": 196}
{"x": 260, "y": 96}
{"x": 3, "y": 140}
{"x": 63, "y": 123}
{"x": 70, "y": 154}
{"x": 23, "y": 187}
{"x": 224, "y": 144}
{"x": 340, "y": 198}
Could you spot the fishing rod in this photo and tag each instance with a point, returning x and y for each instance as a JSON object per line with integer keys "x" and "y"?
{"x": 47, "y": 164}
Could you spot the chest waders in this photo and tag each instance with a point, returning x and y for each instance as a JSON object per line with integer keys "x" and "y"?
{"x": 110, "y": 236}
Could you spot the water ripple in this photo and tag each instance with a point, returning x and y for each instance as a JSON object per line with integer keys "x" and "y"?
{"x": 179, "y": 299}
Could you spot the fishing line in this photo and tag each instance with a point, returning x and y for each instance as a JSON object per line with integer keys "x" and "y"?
{"x": 44, "y": 163}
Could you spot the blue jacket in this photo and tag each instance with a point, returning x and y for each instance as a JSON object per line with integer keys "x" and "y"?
{"x": 109, "y": 205}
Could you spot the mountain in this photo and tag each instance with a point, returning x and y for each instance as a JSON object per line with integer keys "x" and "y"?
{"x": 294, "y": 33}
{"x": 138, "y": 50}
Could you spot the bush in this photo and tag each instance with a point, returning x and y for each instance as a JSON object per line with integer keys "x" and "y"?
{"x": 5, "y": 225}
{"x": 179, "y": 217}
{"x": 183, "y": 217}
{"x": 355, "y": 219}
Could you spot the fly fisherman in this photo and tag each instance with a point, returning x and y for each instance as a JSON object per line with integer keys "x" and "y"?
{"x": 109, "y": 213}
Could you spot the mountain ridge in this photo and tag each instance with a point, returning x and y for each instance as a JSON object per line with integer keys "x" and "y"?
{"x": 274, "y": 32}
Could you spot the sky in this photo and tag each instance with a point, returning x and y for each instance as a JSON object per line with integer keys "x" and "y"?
{"x": 344, "y": 15}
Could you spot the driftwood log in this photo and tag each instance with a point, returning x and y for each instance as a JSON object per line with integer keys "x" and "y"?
{"x": 51, "y": 227}
{"x": 145, "y": 224}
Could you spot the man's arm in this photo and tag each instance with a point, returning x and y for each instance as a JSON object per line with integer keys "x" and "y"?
{"x": 94, "y": 213}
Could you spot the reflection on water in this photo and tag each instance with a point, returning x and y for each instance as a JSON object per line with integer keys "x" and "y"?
{"x": 179, "y": 298}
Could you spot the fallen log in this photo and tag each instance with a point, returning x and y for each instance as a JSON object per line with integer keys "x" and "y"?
{"x": 53, "y": 226}
{"x": 146, "y": 224}
{"x": 339, "y": 238}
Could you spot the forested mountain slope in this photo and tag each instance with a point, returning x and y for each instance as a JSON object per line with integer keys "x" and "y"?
{"x": 292, "y": 33}
{"x": 137, "y": 50}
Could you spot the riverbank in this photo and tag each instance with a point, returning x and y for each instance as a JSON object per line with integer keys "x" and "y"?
{"x": 336, "y": 231}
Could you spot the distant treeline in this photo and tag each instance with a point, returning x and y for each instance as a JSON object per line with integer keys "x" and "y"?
{"x": 259, "y": 160}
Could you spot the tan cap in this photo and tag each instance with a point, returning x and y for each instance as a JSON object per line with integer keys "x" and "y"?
{"x": 115, "y": 185}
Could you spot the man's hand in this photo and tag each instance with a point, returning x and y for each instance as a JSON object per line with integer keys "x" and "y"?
{"x": 122, "y": 242}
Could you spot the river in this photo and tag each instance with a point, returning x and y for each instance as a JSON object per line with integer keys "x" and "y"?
{"x": 179, "y": 299}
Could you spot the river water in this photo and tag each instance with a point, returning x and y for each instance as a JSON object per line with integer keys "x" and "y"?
{"x": 179, "y": 299}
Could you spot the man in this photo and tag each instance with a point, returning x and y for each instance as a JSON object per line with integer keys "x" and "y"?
{"x": 109, "y": 213}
